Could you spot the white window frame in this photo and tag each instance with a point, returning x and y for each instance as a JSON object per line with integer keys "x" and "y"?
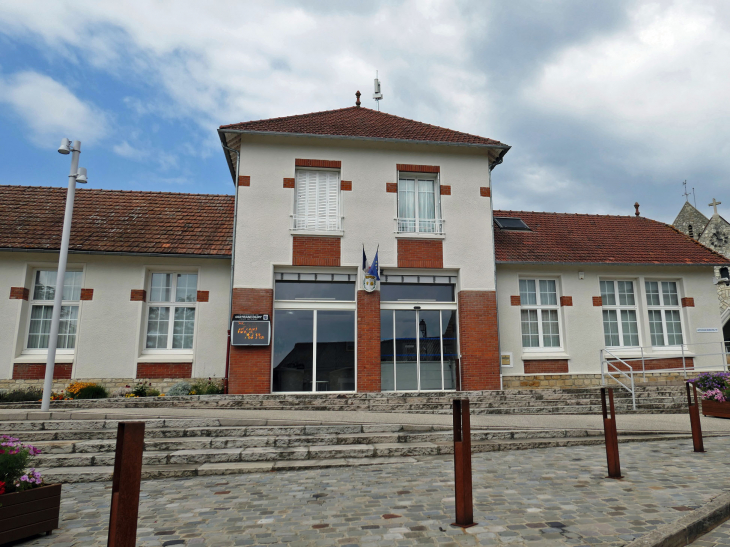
{"x": 403, "y": 225}
{"x": 541, "y": 348}
{"x": 304, "y": 223}
{"x": 32, "y": 302}
{"x": 618, "y": 307}
{"x": 662, "y": 308}
{"x": 172, "y": 305}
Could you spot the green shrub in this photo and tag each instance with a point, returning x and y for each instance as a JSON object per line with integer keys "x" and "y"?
{"x": 92, "y": 392}
{"x": 23, "y": 394}
{"x": 207, "y": 387}
{"x": 152, "y": 392}
{"x": 179, "y": 389}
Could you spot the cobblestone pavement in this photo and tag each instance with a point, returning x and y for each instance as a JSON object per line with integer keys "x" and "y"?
{"x": 719, "y": 537}
{"x": 541, "y": 497}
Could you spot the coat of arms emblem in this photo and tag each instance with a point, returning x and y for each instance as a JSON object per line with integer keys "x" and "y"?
{"x": 369, "y": 283}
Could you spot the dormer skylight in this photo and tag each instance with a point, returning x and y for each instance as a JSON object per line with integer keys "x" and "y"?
{"x": 512, "y": 223}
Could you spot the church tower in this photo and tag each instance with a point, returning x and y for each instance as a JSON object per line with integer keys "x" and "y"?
{"x": 690, "y": 221}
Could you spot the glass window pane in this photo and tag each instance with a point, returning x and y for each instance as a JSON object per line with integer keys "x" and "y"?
{"x": 548, "y": 293}
{"x": 674, "y": 327}
{"x": 183, "y": 328}
{"x": 420, "y": 292}
{"x": 406, "y": 205}
{"x": 626, "y": 293}
{"x": 40, "y": 327}
{"x": 293, "y": 350}
{"x": 71, "y": 285}
{"x": 387, "y": 362}
{"x": 303, "y": 290}
{"x": 405, "y": 350}
{"x": 335, "y": 350}
{"x": 629, "y": 327}
{"x": 429, "y": 348}
{"x": 187, "y": 288}
{"x": 158, "y": 324}
{"x": 67, "y": 327}
{"x": 550, "y": 332}
{"x": 530, "y": 332}
{"x": 426, "y": 206}
{"x": 161, "y": 287}
{"x": 44, "y": 286}
{"x": 608, "y": 294}
{"x": 610, "y": 328}
{"x": 448, "y": 335}
{"x": 669, "y": 293}
{"x": 528, "y": 294}
{"x": 655, "y": 327}
{"x": 652, "y": 294}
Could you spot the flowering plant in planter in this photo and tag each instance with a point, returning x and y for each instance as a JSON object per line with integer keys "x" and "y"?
{"x": 714, "y": 386}
{"x": 14, "y": 457}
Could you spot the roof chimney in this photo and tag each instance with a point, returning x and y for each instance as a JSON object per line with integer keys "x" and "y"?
{"x": 357, "y": 102}
{"x": 636, "y": 206}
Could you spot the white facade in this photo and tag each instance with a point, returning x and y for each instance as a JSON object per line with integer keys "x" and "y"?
{"x": 111, "y": 329}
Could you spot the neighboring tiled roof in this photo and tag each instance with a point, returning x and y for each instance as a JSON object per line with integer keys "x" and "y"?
{"x": 361, "y": 122}
{"x": 31, "y": 217}
{"x": 604, "y": 239}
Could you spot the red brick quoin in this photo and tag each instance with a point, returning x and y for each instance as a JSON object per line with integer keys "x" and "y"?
{"x": 138, "y": 295}
{"x": 420, "y": 253}
{"x": 288, "y": 183}
{"x": 164, "y": 370}
{"x": 597, "y": 301}
{"x": 566, "y": 300}
{"x": 203, "y": 296}
{"x": 315, "y": 251}
{"x": 368, "y": 341}
{"x": 445, "y": 190}
{"x": 485, "y": 192}
{"x": 87, "y": 294}
{"x": 244, "y": 180}
{"x": 688, "y": 302}
{"x": 250, "y": 366}
{"x": 391, "y": 187}
{"x": 547, "y": 366}
{"x": 346, "y": 185}
{"x": 37, "y": 371}
{"x": 479, "y": 336}
{"x": 19, "y": 293}
{"x": 515, "y": 300}
{"x": 326, "y": 164}
{"x": 418, "y": 168}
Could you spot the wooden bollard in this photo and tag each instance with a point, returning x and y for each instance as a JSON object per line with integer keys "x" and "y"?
{"x": 611, "y": 435}
{"x": 462, "y": 465}
{"x": 126, "y": 485}
{"x": 694, "y": 419}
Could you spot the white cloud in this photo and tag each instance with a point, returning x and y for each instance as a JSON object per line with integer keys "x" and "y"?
{"x": 50, "y": 110}
{"x": 128, "y": 151}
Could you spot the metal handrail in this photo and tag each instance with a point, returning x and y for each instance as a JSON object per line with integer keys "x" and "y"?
{"x": 414, "y": 225}
{"x": 316, "y": 224}
{"x": 630, "y": 376}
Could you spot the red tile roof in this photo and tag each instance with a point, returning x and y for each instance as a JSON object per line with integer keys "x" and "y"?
{"x": 31, "y": 217}
{"x": 601, "y": 239}
{"x": 361, "y": 122}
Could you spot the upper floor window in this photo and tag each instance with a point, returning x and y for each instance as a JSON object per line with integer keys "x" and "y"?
{"x": 539, "y": 313}
{"x": 317, "y": 205}
{"x": 41, "y": 310}
{"x": 419, "y": 206}
{"x": 171, "y": 312}
{"x": 620, "y": 327}
{"x": 665, "y": 313}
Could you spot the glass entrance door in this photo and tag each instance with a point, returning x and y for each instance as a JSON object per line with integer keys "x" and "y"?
{"x": 418, "y": 350}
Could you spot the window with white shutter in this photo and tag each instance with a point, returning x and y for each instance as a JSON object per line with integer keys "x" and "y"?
{"x": 317, "y": 201}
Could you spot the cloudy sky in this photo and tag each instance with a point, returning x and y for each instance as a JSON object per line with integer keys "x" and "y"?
{"x": 604, "y": 103}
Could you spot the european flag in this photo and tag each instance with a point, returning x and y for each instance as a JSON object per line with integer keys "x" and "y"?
{"x": 374, "y": 270}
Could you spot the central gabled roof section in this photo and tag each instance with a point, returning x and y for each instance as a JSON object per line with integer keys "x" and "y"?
{"x": 356, "y": 122}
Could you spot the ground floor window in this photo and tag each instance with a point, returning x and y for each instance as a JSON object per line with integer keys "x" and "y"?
{"x": 41, "y": 311}
{"x": 418, "y": 350}
{"x": 314, "y": 350}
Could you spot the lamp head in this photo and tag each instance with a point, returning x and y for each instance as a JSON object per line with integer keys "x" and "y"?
{"x": 65, "y": 147}
{"x": 81, "y": 175}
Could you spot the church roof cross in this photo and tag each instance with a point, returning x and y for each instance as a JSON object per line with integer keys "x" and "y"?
{"x": 714, "y": 204}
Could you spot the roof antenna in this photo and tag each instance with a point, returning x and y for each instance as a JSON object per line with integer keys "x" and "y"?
{"x": 686, "y": 194}
{"x": 378, "y": 96}
{"x": 694, "y": 197}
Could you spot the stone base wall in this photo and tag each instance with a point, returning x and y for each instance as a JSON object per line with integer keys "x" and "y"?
{"x": 567, "y": 381}
{"x": 112, "y": 384}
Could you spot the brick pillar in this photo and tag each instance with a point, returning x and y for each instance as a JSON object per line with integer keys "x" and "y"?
{"x": 479, "y": 340}
{"x": 250, "y": 366}
{"x": 368, "y": 341}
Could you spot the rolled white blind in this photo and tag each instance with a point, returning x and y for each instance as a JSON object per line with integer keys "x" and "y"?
{"x": 318, "y": 206}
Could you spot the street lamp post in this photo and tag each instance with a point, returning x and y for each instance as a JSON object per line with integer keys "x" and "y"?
{"x": 75, "y": 175}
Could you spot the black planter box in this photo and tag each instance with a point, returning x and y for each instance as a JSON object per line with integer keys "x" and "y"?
{"x": 28, "y": 513}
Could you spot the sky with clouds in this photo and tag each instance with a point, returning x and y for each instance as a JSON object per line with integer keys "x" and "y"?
{"x": 603, "y": 103}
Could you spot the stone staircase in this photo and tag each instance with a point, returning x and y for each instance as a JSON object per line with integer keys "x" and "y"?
{"x": 650, "y": 399}
{"x": 81, "y": 449}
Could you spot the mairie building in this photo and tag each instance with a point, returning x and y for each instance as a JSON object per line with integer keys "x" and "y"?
{"x": 463, "y": 297}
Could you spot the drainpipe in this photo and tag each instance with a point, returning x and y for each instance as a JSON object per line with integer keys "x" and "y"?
{"x": 233, "y": 263}
{"x": 494, "y": 253}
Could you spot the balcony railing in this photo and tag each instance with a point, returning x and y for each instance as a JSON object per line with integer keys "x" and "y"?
{"x": 419, "y": 225}
{"x": 316, "y": 224}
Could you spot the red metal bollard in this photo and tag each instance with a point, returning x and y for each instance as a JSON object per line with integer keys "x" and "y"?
{"x": 462, "y": 465}
{"x": 694, "y": 420}
{"x": 611, "y": 435}
{"x": 126, "y": 485}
